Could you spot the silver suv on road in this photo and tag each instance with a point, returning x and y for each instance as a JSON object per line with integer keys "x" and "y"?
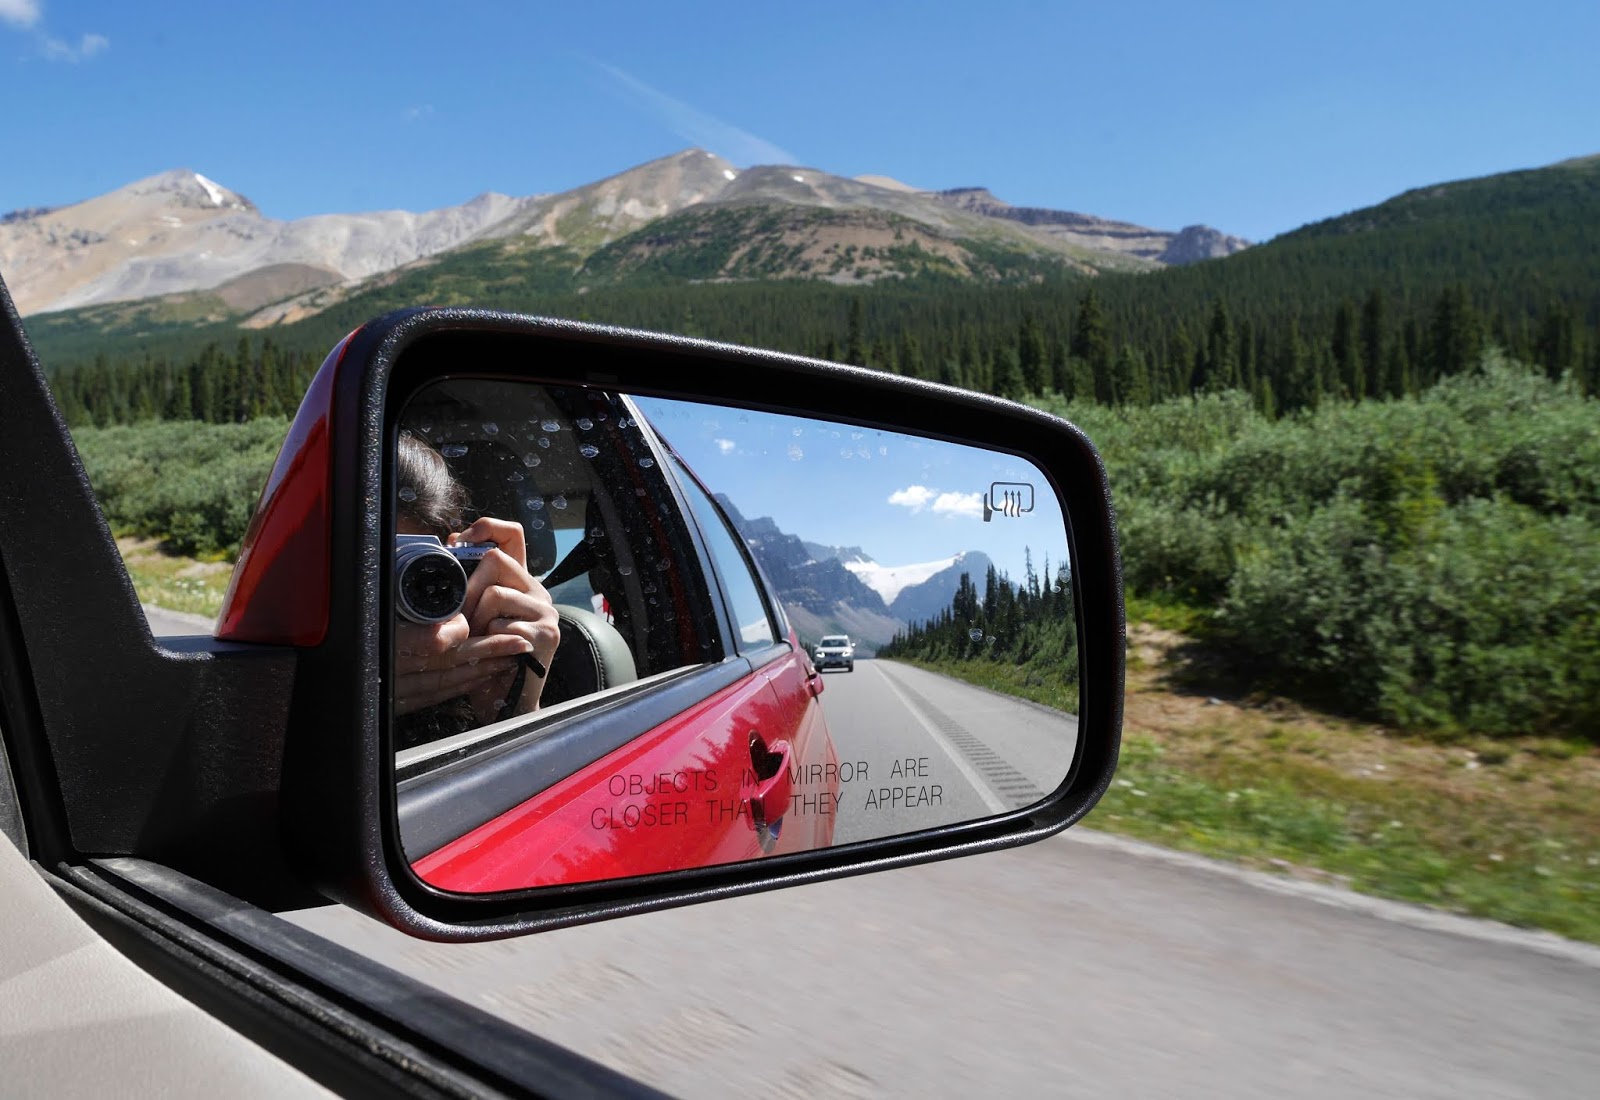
{"x": 834, "y": 651}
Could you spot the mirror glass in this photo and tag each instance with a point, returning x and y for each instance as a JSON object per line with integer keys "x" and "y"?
{"x": 632, "y": 635}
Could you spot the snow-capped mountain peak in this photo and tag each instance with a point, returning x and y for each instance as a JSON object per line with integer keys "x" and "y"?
{"x": 888, "y": 580}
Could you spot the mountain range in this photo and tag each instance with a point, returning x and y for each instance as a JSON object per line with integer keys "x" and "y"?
{"x": 841, "y": 590}
{"x": 210, "y": 253}
{"x": 1381, "y": 301}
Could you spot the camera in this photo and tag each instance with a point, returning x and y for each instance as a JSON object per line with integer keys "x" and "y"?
{"x": 430, "y": 578}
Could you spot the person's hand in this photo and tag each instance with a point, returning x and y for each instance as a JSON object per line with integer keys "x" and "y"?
{"x": 441, "y": 661}
{"x": 505, "y": 601}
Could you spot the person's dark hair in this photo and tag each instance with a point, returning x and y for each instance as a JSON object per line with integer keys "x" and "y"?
{"x": 429, "y": 495}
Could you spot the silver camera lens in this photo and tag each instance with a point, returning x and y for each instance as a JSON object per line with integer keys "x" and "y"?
{"x": 430, "y": 585}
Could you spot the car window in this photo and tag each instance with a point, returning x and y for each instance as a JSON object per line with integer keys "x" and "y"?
{"x": 608, "y": 555}
{"x": 752, "y": 619}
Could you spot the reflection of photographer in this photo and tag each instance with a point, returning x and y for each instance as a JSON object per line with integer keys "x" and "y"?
{"x": 475, "y": 624}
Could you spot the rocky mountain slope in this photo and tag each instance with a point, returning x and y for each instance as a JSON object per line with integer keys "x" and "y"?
{"x": 691, "y": 214}
{"x": 179, "y": 231}
{"x": 1189, "y": 245}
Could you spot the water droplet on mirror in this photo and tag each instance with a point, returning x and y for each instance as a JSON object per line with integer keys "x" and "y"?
{"x": 883, "y": 451}
{"x": 597, "y": 532}
{"x": 639, "y": 492}
{"x": 625, "y": 570}
{"x": 544, "y": 441}
{"x": 550, "y": 425}
{"x": 408, "y": 494}
{"x": 647, "y": 462}
{"x": 654, "y": 600}
{"x": 453, "y": 450}
{"x": 534, "y": 503}
{"x": 536, "y": 524}
{"x": 404, "y": 653}
{"x": 530, "y": 460}
{"x": 515, "y": 475}
{"x": 588, "y": 450}
{"x": 425, "y": 426}
{"x": 795, "y": 453}
{"x": 584, "y": 424}
{"x": 663, "y": 565}
{"x": 491, "y": 428}
{"x": 558, "y": 501}
{"x": 473, "y": 661}
{"x": 797, "y": 432}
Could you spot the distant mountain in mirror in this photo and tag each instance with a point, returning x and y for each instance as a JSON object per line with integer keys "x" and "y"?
{"x": 836, "y": 553}
{"x": 842, "y": 590}
{"x": 691, "y": 215}
{"x": 926, "y": 598}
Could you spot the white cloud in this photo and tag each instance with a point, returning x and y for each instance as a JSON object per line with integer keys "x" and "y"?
{"x": 725, "y": 446}
{"x": 696, "y": 126}
{"x": 920, "y": 497}
{"x": 959, "y": 504}
{"x": 19, "y": 13}
{"x": 88, "y": 46}
{"x": 419, "y": 112}
{"x": 914, "y": 497}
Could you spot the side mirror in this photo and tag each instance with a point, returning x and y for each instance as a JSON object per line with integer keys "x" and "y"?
{"x": 548, "y": 580}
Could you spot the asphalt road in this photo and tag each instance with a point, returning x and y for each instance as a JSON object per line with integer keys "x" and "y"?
{"x": 1080, "y": 966}
{"x": 924, "y": 750}
{"x": 164, "y": 623}
{"x": 1084, "y": 965}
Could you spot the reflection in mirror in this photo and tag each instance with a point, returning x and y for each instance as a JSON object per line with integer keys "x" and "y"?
{"x": 634, "y": 635}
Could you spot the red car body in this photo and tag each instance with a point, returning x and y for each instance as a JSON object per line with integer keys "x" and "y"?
{"x": 683, "y": 795}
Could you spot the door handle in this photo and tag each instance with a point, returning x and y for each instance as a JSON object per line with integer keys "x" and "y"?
{"x": 772, "y": 787}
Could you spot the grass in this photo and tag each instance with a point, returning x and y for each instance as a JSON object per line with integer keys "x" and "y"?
{"x": 175, "y": 583}
{"x": 1476, "y": 848}
{"x": 1018, "y": 680}
{"x": 1505, "y": 829}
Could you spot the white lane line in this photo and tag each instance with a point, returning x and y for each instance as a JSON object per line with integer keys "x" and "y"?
{"x": 1420, "y": 917}
{"x": 958, "y": 758}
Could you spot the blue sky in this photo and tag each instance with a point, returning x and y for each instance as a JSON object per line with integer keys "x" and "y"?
{"x": 902, "y": 499}
{"x": 1253, "y": 117}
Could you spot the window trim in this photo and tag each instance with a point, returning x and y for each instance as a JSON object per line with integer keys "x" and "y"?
{"x": 769, "y": 601}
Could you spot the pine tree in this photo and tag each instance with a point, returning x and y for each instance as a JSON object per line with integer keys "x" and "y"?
{"x": 1007, "y": 374}
{"x": 1091, "y": 344}
{"x": 1346, "y": 348}
{"x": 1374, "y": 353}
{"x": 1217, "y": 368}
{"x": 1031, "y": 355}
{"x": 855, "y": 351}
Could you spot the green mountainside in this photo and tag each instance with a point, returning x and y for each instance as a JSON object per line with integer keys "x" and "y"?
{"x": 1380, "y": 301}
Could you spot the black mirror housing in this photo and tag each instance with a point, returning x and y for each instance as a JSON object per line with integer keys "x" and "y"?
{"x": 315, "y": 573}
